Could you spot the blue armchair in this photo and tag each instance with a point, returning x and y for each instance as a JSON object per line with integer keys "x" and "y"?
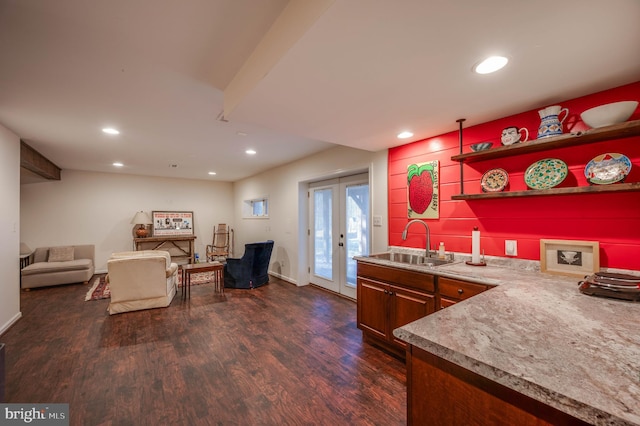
{"x": 250, "y": 271}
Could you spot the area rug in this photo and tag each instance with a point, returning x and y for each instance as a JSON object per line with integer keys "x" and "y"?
{"x": 100, "y": 287}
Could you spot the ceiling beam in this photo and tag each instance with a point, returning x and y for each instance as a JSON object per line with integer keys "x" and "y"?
{"x": 37, "y": 163}
{"x": 296, "y": 18}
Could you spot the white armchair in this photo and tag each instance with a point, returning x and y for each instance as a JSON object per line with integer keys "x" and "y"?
{"x": 141, "y": 280}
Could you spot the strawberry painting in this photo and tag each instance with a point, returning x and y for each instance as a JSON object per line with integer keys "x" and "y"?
{"x": 422, "y": 190}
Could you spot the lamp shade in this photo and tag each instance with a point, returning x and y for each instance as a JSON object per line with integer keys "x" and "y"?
{"x": 141, "y": 218}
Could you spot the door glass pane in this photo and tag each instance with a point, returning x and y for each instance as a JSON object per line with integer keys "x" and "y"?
{"x": 357, "y": 209}
{"x": 323, "y": 258}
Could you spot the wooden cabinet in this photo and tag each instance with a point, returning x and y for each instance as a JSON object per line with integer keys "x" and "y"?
{"x": 452, "y": 291}
{"x": 389, "y": 298}
{"x": 442, "y": 393}
{"x": 616, "y": 131}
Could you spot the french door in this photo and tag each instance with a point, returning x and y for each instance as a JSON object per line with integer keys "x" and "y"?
{"x": 339, "y": 230}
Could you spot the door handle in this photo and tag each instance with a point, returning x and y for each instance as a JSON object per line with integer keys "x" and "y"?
{"x": 340, "y": 244}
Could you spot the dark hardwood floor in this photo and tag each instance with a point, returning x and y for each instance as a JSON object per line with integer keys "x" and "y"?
{"x": 276, "y": 355}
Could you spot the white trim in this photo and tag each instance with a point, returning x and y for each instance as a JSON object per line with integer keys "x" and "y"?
{"x": 9, "y": 323}
{"x": 247, "y": 208}
{"x": 284, "y": 278}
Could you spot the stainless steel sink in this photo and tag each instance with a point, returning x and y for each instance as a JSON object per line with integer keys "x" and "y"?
{"x": 411, "y": 259}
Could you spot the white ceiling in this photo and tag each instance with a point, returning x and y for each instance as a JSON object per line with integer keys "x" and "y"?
{"x": 361, "y": 72}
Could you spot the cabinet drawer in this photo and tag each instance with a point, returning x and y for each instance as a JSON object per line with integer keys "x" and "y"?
{"x": 459, "y": 290}
{"x": 403, "y": 277}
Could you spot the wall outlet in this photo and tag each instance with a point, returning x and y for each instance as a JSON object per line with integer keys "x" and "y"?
{"x": 377, "y": 220}
{"x": 511, "y": 247}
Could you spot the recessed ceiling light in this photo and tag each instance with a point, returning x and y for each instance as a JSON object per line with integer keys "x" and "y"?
{"x": 250, "y": 151}
{"x": 111, "y": 131}
{"x": 117, "y": 164}
{"x": 491, "y": 64}
{"x": 212, "y": 173}
{"x": 241, "y": 133}
{"x": 404, "y": 135}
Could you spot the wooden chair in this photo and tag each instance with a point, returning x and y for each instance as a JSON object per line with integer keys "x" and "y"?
{"x": 219, "y": 248}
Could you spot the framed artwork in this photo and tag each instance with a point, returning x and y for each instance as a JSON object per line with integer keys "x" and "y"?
{"x": 569, "y": 257}
{"x": 172, "y": 223}
{"x": 423, "y": 184}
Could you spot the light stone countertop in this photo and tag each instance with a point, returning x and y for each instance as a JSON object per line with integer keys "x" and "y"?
{"x": 537, "y": 334}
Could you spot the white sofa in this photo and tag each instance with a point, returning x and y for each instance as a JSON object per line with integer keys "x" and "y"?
{"x": 59, "y": 265}
{"x": 140, "y": 280}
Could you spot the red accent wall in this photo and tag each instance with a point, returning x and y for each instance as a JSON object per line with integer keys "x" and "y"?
{"x": 613, "y": 219}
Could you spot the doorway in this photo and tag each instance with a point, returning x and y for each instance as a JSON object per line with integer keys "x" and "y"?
{"x": 339, "y": 230}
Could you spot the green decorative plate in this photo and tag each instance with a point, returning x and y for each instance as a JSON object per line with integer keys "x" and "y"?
{"x": 545, "y": 174}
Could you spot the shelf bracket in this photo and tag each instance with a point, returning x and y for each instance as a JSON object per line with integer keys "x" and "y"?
{"x": 460, "y": 121}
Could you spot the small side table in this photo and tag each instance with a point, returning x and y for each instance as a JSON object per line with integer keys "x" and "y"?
{"x": 195, "y": 268}
{"x": 25, "y": 260}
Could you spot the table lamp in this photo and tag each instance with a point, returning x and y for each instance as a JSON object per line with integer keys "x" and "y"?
{"x": 142, "y": 219}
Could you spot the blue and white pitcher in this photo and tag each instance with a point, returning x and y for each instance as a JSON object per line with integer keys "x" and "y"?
{"x": 551, "y": 124}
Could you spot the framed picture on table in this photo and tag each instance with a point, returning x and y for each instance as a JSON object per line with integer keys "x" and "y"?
{"x": 569, "y": 257}
{"x": 166, "y": 223}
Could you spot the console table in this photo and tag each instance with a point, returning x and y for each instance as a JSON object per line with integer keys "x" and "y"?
{"x": 178, "y": 246}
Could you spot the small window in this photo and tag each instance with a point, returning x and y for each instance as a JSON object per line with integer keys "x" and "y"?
{"x": 258, "y": 207}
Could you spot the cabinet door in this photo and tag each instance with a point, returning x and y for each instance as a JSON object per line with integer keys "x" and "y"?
{"x": 408, "y": 306}
{"x": 373, "y": 306}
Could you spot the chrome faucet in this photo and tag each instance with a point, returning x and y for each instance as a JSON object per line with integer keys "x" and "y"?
{"x": 428, "y": 242}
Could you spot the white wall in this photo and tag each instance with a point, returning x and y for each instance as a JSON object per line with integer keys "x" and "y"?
{"x": 97, "y": 208}
{"x": 9, "y": 231}
{"x": 285, "y": 187}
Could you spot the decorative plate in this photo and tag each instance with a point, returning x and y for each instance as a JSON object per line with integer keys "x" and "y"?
{"x": 545, "y": 174}
{"x": 494, "y": 180}
{"x": 607, "y": 168}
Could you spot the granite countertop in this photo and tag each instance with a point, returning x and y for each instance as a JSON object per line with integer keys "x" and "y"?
{"x": 537, "y": 334}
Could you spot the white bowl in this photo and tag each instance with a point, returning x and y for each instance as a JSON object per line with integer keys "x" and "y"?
{"x": 608, "y": 114}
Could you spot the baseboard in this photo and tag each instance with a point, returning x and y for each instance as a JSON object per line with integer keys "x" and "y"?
{"x": 9, "y": 323}
{"x": 283, "y": 278}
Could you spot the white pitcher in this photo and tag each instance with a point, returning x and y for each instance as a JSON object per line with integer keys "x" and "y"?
{"x": 551, "y": 124}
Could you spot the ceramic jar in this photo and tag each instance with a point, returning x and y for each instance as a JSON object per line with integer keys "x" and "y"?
{"x": 551, "y": 124}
